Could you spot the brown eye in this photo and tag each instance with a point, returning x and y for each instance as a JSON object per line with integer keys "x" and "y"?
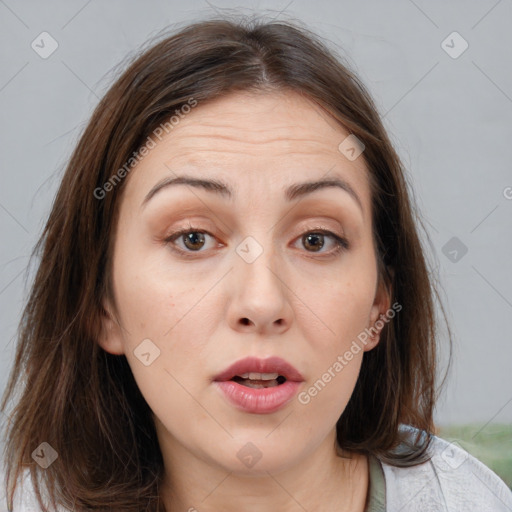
{"x": 189, "y": 240}
{"x": 315, "y": 241}
{"x": 193, "y": 240}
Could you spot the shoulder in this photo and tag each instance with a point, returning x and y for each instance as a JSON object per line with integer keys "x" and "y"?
{"x": 24, "y": 496}
{"x": 25, "y": 499}
{"x": 451, "y": 480}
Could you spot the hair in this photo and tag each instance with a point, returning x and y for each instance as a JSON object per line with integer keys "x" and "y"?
{"x": 84, "y": 401}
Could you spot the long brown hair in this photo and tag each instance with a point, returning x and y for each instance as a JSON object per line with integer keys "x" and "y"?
{"x": 83, "y": 401}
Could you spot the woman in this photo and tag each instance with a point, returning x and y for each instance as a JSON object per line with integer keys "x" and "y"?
{"x": 232, "y": 309}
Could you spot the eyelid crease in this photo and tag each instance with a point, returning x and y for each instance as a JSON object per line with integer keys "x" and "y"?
{"x": 304, "y": 229}
{"x": 341, "y": 242}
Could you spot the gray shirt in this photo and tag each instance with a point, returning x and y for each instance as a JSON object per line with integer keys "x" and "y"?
{"x": 451, "y": 481}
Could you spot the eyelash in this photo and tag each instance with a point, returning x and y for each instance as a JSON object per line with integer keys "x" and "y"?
{"x": 342, "y": 244}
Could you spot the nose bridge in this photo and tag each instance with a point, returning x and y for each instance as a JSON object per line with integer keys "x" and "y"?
{"x": 256, "y": 251}
{"x": 257, "y": 262}
{"x": 260, "y": 296}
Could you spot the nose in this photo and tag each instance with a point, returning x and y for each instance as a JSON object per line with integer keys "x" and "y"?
{"x": 260, "y": 299}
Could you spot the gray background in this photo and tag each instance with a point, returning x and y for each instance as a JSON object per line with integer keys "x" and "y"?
{"x": 448, "y": 117}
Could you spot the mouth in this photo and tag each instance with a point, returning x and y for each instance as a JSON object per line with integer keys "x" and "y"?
{"x": 259, "y": 386}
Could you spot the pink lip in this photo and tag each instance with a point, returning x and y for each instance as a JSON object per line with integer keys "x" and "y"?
{"x": 264, "y": 400}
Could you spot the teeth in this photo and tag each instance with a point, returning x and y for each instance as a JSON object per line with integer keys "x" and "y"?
{"x": 259, "y": 376}
{"x": 259, "y": 385}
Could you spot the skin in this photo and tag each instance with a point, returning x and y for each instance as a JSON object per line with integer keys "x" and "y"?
{"x": 302, "y": 305}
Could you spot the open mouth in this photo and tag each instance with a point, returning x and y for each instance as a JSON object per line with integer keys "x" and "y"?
{"x": 259, "y": 386}
{"x": 259, "y": 380}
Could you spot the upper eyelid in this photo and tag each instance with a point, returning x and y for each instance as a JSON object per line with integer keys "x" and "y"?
{"x": 306, "y": 229}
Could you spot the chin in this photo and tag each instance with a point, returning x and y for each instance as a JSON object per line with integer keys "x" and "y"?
{"x": 256, "y": 458}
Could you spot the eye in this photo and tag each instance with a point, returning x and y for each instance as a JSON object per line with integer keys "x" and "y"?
{"x": 193, "y": 239}
{"x": 314, "y": 241}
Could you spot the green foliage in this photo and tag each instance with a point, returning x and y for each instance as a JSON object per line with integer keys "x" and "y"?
{"x": 491, "y": 444}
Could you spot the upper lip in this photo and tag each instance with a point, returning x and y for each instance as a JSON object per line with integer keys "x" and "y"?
{"x": 256, "y": 365}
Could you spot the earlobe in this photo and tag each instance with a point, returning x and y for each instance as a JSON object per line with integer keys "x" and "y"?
{"x": 373, "y": 333}
{"x": 110, "y": 337}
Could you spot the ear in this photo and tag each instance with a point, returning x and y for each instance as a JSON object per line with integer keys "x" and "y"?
{"x": 378, "y": 317}
{"x": 110, "y": 338}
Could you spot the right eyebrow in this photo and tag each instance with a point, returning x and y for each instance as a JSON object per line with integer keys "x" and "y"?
{"x": 206, "y": 184}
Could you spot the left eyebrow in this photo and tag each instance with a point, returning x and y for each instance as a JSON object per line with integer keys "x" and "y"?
{"x": 219, "y": 187}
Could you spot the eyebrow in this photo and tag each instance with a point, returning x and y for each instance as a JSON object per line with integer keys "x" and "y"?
{"x": 221, "y": 188}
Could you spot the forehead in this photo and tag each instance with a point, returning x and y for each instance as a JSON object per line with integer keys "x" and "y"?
{"x": 254, "y": 141}
{"x": 284, "y": 122}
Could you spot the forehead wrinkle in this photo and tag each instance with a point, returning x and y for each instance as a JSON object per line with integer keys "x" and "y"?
{"x": 281, "y": 146}
{"x": 253, "y": 135}
{"x": 241, "y": 138}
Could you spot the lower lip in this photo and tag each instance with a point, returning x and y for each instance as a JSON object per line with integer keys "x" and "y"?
{"x": 258, "y": 400}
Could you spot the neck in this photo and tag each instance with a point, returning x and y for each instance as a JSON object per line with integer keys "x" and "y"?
{"x": 323, "y": 480}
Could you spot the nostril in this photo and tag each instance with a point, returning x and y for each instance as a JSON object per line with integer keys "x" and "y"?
{"x": 245, "y": 321}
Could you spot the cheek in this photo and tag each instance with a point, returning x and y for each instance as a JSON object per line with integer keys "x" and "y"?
{"x": 149, "y": 305}
{"x": 342, "y": 309}
{"x": 164, "y": 318}
{"x": 335, "y": 312}
{"x": 333, "y": 380}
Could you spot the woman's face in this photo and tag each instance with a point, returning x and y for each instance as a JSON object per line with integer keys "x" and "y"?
{"x": 253, "y": 277}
